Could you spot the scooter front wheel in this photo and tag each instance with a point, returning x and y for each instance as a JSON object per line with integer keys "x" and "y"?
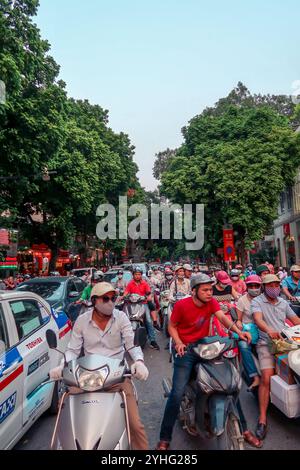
{"x": 232, "y": 438}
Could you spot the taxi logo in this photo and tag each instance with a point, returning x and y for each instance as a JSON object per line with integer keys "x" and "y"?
{"x": 7, "y": 407}
{"x": 34, "y": 343}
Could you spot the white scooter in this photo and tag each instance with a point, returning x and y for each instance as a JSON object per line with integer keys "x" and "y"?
{"x": 90, "y": 417}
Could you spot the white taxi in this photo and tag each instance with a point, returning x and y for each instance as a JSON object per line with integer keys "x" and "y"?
{"x": 25, "y": 361}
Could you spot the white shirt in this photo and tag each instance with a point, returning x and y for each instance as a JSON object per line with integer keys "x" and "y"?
{"x": 110, "y": 342}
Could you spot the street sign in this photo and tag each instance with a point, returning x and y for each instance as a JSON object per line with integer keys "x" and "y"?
{"x": 229, "y": 253}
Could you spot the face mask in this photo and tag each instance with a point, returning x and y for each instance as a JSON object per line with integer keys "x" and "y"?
{"x": 223, "y": 286}
{"x": 272, "y": 292}
{"x": 120, "y": 276}
{"x": 105, "y": 308}
{"x": 169, "y": 277}
{"x": 180, "y": 276}
{"x": 235, "y": 278}
{"x": 254, "y": 292}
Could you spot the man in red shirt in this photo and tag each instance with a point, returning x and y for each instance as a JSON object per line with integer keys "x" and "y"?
{"x": 189, "y": 323}
{"x": 139, "y": 286}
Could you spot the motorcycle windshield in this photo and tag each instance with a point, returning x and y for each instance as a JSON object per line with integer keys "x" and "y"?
{"x": 95, "y": 362}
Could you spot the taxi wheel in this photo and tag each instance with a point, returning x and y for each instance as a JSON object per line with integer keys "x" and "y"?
{"x": 57, "y": 393}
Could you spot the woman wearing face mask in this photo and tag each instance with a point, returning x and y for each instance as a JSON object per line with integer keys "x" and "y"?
{"x": 237, "y": 283}
{"x": 254, "y": 284}
{"x": 105, "y": 331}
{"x": 223, "y": 290}
{"x": 180, "y": 285}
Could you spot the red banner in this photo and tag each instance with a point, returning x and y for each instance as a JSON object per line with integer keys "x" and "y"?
{"x": 229, "y": 253}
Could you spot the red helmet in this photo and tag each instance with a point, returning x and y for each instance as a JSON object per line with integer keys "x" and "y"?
{"x": 253, "y": 279}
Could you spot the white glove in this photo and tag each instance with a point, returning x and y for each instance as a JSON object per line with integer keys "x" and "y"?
{"x": 56, "y": 373}
{"x": 139, "y": 370}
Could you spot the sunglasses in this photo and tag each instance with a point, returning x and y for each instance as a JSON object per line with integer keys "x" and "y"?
{"x": 254, "y": 286}
{"x": 106, "y": 298}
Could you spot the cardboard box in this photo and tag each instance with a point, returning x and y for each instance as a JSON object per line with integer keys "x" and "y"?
{"x": 285, "y": 397}
{"x": 283, "y": 369}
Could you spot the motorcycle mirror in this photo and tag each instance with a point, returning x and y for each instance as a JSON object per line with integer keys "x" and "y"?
{"x": 140, "y": 336}
{"x": 233, "y": 314}
{"x": 51, "y": 339}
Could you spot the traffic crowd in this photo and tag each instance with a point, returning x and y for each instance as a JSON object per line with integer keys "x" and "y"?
{"x": 199, "y": 305}
{"x": 195, "y": 298}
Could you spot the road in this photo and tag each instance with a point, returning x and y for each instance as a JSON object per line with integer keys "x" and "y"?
{"x": 284, "y": 433}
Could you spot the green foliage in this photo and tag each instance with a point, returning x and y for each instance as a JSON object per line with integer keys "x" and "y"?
{"x": 40, "y": 127}
{"x": 236, "y": 159}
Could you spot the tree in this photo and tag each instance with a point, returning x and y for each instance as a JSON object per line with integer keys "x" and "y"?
{"x": 162, "y": 160}
{"x": 236, "y": 159}
{"x": 42, "y": 130}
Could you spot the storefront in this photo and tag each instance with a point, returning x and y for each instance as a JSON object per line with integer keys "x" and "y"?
{"x": 8, "y": 267}
{"x": 41, "y": 258}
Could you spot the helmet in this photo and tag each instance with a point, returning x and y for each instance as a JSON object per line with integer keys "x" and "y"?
{"x": 262, "y": 268}
{"x": 97, "y": 276}
{"x": 102, "y": 289}
{"x": 295, "y": 268}
{"x": 137, "y": 270}
{"x": 223, "y": 277}
{"x": 234, "y": 272}
{"x": 187, "y": 267}
{"x": 253, "y": 279}
{"x": 200, "y": 279}
{"x": 177, "y": 268}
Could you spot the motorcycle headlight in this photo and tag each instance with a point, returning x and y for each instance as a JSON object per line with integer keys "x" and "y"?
{"x": 92, "y": 380}
{"x": 209, "y": 351}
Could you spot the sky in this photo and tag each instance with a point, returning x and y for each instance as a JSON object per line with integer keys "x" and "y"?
{"x": 154, "y": 64}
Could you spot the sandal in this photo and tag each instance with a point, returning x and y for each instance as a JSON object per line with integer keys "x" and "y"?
{"x": 162, "y": 445}
{"x": 252, "y": 440}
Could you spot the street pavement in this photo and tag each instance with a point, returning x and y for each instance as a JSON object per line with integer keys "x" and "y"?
{"x": 284, "y": 433}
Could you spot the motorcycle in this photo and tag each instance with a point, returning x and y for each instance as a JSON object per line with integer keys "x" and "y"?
{"x": 164, "y": 304}
{"x": 87, "y": 409}
{"x": 209, "y": 405}
{"x": 133, "y": 306}
{"x": 295, "y": 306}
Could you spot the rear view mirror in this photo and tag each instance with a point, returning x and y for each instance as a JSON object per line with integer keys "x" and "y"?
{"x": 51, "y": 339}
{"x": 140, "y": 336}
{"x": 73, "y": 295}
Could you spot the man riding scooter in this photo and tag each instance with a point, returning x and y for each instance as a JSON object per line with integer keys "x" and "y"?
{"x": 139, "y": 286}
{"x": 270, "y": 313}
{"x": 190, "y": 321}
{"x": 104, "y": 331}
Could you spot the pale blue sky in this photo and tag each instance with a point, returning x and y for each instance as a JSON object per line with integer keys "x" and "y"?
{"x": 154, "y": 64}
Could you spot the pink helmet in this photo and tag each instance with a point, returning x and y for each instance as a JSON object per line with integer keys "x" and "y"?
{"x": 253, "y": 279}
{"x": 223, "y": 277}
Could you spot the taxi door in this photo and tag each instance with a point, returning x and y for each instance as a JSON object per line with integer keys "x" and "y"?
{"x": 32, "y": 319}
{"x": 11, "y": 381}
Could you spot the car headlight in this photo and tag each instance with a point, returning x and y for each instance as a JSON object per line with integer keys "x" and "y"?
{"x": 209, "y": 351}
{"x": 92, "y": 380}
